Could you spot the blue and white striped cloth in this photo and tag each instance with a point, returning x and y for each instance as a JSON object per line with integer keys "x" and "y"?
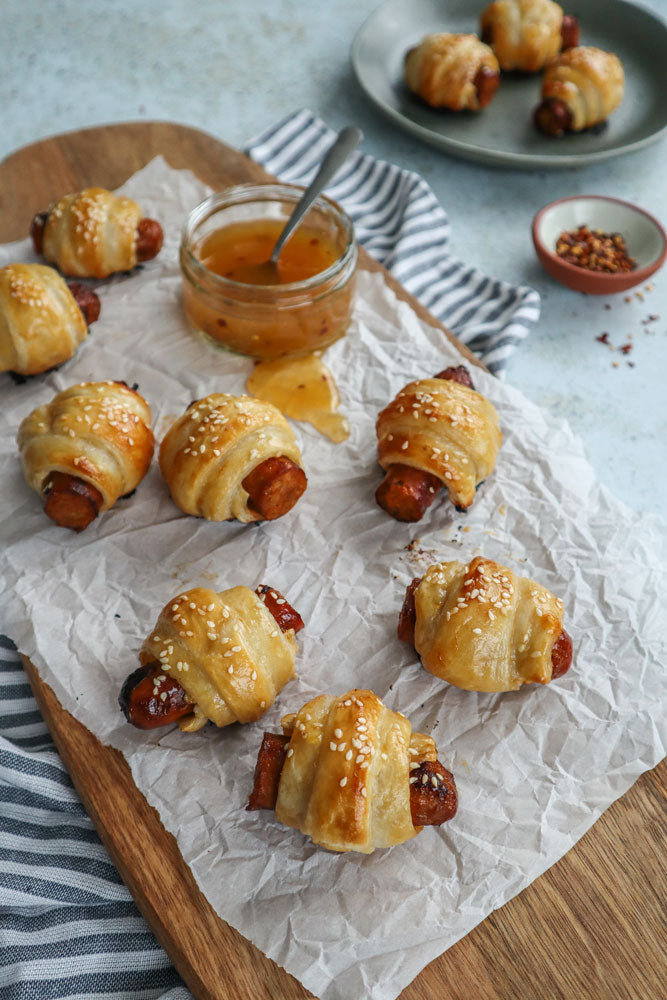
{"x": 399, "y": 222}
{"x": 68, "y": 926}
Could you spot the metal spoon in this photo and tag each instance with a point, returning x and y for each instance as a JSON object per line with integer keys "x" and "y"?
{"x": 266, "y": 273}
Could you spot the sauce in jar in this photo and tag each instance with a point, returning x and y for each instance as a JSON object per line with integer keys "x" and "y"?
{"x": 238, "y": 251}
{"x": 305, "y": 303}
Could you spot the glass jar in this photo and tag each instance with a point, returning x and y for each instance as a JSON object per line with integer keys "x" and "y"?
{"x": 260, "y": 320}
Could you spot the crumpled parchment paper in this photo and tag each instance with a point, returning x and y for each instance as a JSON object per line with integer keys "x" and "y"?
{"x": 534, "y": 768}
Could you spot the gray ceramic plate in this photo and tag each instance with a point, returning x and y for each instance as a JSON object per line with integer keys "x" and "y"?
{"x": 504, "y": 132}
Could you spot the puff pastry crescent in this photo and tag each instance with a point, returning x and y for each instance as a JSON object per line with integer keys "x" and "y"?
{"x": 589, "y": 82}
{"x": 207, "y": 454}
{"x": 346, "y": 778}
{"x": 443, "y": 70}
{"x": 41, "y": 324}
{"x": 226, "y": 650}
{"x": 482, "y": 628}
{"x": 524, "y": 34}
{"x": 97, "y": 432}
{"x": 92, "y": 233}
{"x": 444, "y": 428}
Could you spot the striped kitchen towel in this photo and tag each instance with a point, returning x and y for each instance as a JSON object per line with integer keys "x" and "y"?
{"x": 399, "y": 221}
{"x": 68, "y": 926}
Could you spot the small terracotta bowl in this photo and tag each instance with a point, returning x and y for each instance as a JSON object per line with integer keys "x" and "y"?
{"x": 644, "y": 236}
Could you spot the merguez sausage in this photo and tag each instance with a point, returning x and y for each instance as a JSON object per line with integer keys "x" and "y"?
{"x": 86, "y": 299}
{"x": 274, "y": 486}
{"x": 149, "y": 239}
{"x": 70, "y": 501}
{"x": 270, "y": 760}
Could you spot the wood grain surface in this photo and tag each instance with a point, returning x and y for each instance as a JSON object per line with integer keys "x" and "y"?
{"x": 591, "y": 927}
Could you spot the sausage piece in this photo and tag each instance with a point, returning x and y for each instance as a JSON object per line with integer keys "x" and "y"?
{"x": 433, "y": 797}
{"x": 561, "y": 655}
{"x": 141, "y": 698}
{"x": 553, "y": 117}
{"x": 37, "y": 230}
{"x": 458, "y": 374}
{"x": 149, "y": 239}
{"x": 486, "y": 83}
{"x": 284, "y": 613}
{"x": 274, "y": 486}
{"x": 407, "y": 618}
{"x": 70, "y": 502}
{"x": 86, "y": 299}
{"x": 569, "y": 32}
{"x": 405, "y": 492}
{"x": 270, "y": 760}
{"x": 141, "y": 695}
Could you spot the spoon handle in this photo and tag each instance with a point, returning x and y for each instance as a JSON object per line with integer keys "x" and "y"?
{"x": 347, "y": 140}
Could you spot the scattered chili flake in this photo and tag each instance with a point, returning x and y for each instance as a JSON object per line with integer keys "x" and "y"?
{"x": 594, "y": 250}
{"x": 603, "y": 338}
{"x": 625, "y": 348}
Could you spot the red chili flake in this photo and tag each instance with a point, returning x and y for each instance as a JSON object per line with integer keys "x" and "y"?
{"x": 625, "y": 349}
{"x": 603, "y": 338}
{"x": 594, "y": 250}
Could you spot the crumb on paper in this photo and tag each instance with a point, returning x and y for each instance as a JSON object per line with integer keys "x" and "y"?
{"x": 502, "y": 510}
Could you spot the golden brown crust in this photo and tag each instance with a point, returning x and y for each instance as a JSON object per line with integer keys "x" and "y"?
{"x": 41, "y": 325}
{"x": 92, "y": 233}
{"x": 346, "y": 778}
{"x": 442, "y": 70}
{"x": 444, "y": 428}
{"x": 588, "y": 81}
{"x": 524, "y": 34}
{"x": 227, "y": 652}
{"x": 96, "y": 431}
{"x": 482, "y": 628}
{"x": 209, "y": 451}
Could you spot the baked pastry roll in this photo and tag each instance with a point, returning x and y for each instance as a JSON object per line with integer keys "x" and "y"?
{"x": 218, "y": 657}
{"x": 482, "y": 628}
{"x": 232, "y": 457}
{"x": 95, "y": 233}
{"x": 580, "y": 89}
{"x": 527, "y": 34}
{"x": 42, "y": 319}
{"x": 350, "y": 774}
{"x": 457, "y": 72}
{"x": 86, "y": 448}
{"x": 437, "y": 432}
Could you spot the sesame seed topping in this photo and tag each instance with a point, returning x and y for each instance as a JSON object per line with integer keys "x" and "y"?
{"x": 363, "y": 792}
{"x": 477, "y": 631}
{"x": 290, "y": 752}
{"x": 348, "y": 755}
{"x": 338, "y": 733}
{"x": 434, "y": 781}
{"x": 343, "y": 782}
{"x": 424, "y": 778}
{"x": 412, "y": 780}
{"x": 230, "y": 669}
{"x": 333, "y": 746}
{"x": 163, "y": 696}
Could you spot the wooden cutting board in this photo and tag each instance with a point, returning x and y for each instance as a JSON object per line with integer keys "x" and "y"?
{"x": 588, "y": 928}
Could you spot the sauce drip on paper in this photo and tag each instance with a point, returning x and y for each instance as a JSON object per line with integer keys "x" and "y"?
{"x": 302, "y": 388}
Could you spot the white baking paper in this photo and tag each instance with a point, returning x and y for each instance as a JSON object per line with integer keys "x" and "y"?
{"x": 534, "y": 768}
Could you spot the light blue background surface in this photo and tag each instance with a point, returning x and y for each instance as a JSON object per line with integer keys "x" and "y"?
{"x": 233, "y": 67}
